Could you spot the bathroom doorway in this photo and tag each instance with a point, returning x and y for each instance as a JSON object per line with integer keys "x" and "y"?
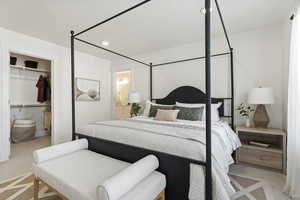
{"x": 123, "y": 88}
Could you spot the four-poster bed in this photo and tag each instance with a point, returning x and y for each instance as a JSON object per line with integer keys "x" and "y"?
{"x": 176, "y": 168}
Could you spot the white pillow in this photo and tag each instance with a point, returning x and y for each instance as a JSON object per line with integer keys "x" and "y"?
{"x": 190, "y": 105}
{"x": 215, "y": 117}
{"x": 214, "y": 109}
{"x": 148, "y": 107}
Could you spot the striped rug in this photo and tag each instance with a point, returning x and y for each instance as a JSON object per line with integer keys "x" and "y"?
{"x": 21, "y": 188}
{"x": 249, "y": 188}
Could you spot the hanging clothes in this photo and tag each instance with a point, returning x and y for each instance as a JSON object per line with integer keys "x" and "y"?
{"x": 44, "y": 89}
{"x": 41, "y": 89}
{"x": 47, "y": 86}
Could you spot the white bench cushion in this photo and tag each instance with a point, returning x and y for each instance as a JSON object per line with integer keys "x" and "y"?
{"x": 77, "y": 175}
{"x": 45, "y": 154}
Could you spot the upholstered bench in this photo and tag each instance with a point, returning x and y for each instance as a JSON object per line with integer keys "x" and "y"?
{"x": 76, "y": 173}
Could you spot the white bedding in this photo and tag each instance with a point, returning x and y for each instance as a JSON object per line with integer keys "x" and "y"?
{"x": 182, "y": 138}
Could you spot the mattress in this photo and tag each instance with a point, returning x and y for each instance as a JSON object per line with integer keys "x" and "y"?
{"x": 182, "y": 138}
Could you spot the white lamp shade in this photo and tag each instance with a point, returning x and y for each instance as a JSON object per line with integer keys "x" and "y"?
{"x": 134, "y": 97}
{"x": 261, "y": 96}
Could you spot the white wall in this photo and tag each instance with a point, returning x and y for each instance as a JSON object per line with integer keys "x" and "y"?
{"x": 61, "y": 84}
{"x": 91, "y": 67}
{"x": 258, "y": 61}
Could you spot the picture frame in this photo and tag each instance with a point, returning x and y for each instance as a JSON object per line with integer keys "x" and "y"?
{"x": 87, "y": 89}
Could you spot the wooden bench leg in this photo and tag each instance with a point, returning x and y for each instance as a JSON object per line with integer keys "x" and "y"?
{"x": 161, "y": 196}
{"x": 36, "y": 184}
{"x": 36, "y": 189}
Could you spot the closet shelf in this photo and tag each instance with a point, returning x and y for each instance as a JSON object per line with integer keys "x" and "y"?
{"x": 28, "y": 69}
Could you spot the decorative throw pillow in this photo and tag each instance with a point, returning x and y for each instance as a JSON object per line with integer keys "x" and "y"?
{"x": 154, "y": 108}
{"x": 166, "y": 115}
{"x": 148, "y": 105}
{"x": 214, "y": 110}
{"x": 192, "y": 114}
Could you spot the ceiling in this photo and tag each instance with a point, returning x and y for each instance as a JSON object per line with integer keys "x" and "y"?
{"x": 156, "y": 25}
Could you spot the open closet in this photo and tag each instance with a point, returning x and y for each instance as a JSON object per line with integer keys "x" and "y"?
{"x": 30, "y": 100}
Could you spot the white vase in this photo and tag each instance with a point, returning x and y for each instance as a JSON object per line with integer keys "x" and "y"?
{"x": 247, "y": 123}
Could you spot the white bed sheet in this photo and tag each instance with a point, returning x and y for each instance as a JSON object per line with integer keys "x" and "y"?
{"x": 182, "y": 138}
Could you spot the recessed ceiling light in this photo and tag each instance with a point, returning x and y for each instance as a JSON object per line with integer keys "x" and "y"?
{"x": 203, "y": 10}
{"x": 105, "y": 43}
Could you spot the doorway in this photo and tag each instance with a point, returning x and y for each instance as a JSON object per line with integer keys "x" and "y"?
{"x": 30, "y": 104}
{"x": 123, "y": 88}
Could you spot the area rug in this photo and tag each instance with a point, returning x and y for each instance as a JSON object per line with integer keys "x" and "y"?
{"x": 249, "y": 188}
{"x": 21, "y": 188}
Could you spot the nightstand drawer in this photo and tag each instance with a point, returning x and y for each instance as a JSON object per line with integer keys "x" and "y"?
{"x": 267, "y": 158}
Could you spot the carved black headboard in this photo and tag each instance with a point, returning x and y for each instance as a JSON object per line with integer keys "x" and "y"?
{"x": 189, "y": 94}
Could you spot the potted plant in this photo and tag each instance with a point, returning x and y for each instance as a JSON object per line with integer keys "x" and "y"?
{"x": 134, "y": 98}
{"x": 245, "y": 111}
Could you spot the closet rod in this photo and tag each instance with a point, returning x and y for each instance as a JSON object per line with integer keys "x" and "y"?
{"x": 29, "y": 105}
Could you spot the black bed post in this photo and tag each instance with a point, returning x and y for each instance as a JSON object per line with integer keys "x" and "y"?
{"x": 73, "y": 84}
{"x": 151, "y": 79}
{"x": 208, "y": 170}
{"x": 232, "y": 88}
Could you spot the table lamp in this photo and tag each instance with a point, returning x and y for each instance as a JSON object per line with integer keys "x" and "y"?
{"x": 134, "y": 99}
{"x": 261, "y": 97}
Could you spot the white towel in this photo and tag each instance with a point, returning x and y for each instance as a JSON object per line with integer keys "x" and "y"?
{"x": 56, "y": 151}
{"x": 118, "y": 185}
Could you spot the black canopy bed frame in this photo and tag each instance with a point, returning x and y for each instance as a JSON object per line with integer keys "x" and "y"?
{"x": 177, "y": 177}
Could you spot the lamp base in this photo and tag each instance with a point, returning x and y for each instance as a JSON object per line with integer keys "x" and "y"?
{"x": 261, "y": 118}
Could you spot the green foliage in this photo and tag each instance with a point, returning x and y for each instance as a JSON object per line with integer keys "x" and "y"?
{"x": 135, "y": 109}
{"x": 245, "y": 110}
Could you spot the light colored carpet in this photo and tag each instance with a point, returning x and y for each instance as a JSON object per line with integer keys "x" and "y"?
{"x": 21, "y": 188}
{"x": 21, "y": 157}
{"x": 249, "y": 188}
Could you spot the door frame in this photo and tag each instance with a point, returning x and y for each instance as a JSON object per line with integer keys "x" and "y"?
{"x": 114, "y": 88}
{"x": 5, "y": 146}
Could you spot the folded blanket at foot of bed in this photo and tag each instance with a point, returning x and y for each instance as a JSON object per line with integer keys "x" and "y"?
{"x": 79, "y": 174}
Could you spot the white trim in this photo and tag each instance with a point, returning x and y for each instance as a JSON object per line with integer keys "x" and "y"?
{"x": 2, "y": 154}
{"x": 5, "y": 111}
{"x": 114, "y": 87}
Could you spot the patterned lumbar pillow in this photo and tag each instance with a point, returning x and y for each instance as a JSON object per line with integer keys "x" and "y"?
{"x": 166, "y": 115}
{"x": 192, "y": 114}
{"x": 154, "y": 108}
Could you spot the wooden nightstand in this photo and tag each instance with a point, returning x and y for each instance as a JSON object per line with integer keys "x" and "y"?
{"x": 272, "y": 157}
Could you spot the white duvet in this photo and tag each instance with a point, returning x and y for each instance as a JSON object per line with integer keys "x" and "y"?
{"x": 182, "y": 138}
